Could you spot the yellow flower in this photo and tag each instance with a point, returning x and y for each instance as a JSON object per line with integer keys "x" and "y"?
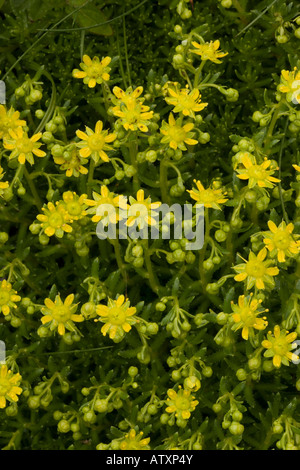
{"x": 177, "y": 135}
{"x": 60, "y": 315}
{"x": 280, "y": 242}
{"x": 245, "y": 315}
{"x": 8, "y": 297}
{"x": 22, "y": 146}
{"x": 108, "y": 198}
{"x": 209, "y": 197}
{"x": 256, "y": 271}
{"x": 117, "y": 316}
{"x": 74, "y": 205}
{"x": 279, "y": 346}
{"x": 129, "y": 96}
{"x": 185, "y": 101}
{"x": 130, "y": 109}
{"x": 134, "y": 441}
{"x": 9, "y": 386}
{"x": 209, "y": 51}
{"x": 142, "y": 211}
{"x": 9, "y": 120}
{"x": 290, "y": 84}
{"x": 257, "y": 174}
{"x": 297, "y": 167}
{"x": 182, "y": 403}
{"x": 73, "y": 165}
{"x": 95, "y": 143}
{"x": 54, "y": 220}
{"x": 94, "y": 71}
{"x": 3, "y": 184}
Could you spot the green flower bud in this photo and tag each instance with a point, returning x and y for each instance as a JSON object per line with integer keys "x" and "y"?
{"x": 164, "y": 418}
{"x": 178, "y": 59}
{"x": 152, "y": 328}
{"x": 208, "y": 264}
{"x": 212, "y": 288}
{"x": 257, "y": 116}
{"x": 51, "y": 127}
{"x": 237, "y": 415}
{"x": 33, "y": 402}
{"x": 43, "y": 332}
{"x": 177, "y": 29}
{"x": 133, "y": 371}
{"x": 19, "y": 92}
{"x": 241, "y": 375}
{"x": 236, "y": 428}
{"x": 220, "y": 236}
{"x": 232, "y": 95}
{"x": 160, "y": 307}
{"x": 138, "y": 262}
{"x": 207, "y": 371}
{"x": 90, "y": 417}
{"x": 151, "y": 156}
{"x": 217, "y": 407}
{"x": 57, "y": 415}
{"x": 176, "y": 375}
{"x": 101, "y": 406}
{"x": 47, "y": 137}
{"x": 63, "y": 426}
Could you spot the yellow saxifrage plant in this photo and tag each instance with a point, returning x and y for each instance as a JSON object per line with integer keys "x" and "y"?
{"x": 129, "y": 319}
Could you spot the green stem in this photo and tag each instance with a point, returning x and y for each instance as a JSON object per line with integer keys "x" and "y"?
{"x": 198, "y": 73}
{"x": 90, "y": 178}
{"x": 163, "y": 181}
{"x": 151, "y": 275}
{"x": 271, "y": 129}
{"x": 120, "y": 61}
{"x": 33, "y": 190}
{"x": 203, "y": 249}
{"x": 240, "y": 10}
{"x": 119, "y": 259}
{"x": 184, "y": 75}
{"x": 126, "y": 51}
{"x": 133, "y": 150}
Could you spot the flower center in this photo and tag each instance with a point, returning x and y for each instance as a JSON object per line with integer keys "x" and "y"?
{"x": 117, "y": 316}
{"x": 132, "y": 115}
{"x": 74, "y": 208}
{"x": 95, "y": 71}
{"x": 24, "y": 145}
{"x": 280, "y": 346}
{"x": 182, "y": 403}
{"x": 96, "y": 142}
{"x": 208, "y": 195}
{"x": 61, "y": 313}
{"x": 255, "y": 269}
{"x": 55, "y": 220}
{"x": 257, "y": 173}
{"x": 247, "y": 316}
{"x": 177, "y": 133}
{"x": 186, "y": 101}
{"x": 281, "y": 240}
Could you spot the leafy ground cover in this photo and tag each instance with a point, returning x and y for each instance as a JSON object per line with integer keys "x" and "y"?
{"x": 135, "y": 343}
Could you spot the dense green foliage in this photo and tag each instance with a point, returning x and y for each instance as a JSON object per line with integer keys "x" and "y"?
{"x": 81, "y": 389}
